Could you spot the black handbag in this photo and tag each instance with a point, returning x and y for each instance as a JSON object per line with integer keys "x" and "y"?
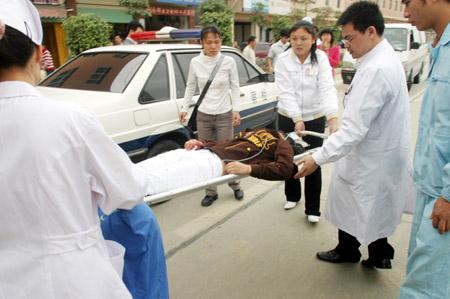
{"x": 192, "y": 123}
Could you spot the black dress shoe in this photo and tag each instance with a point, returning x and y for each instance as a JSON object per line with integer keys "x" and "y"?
{"x": 333, "y": 256}
{"x": 208, "y": 200}
{"x": 380, "y": 264}
{"x": 238, "y": 194}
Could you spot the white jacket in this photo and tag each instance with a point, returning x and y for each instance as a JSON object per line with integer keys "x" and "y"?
{"x": 223, "y": 93}
{"x": 57, "y": 166}
{"x": 306, "y": 91}
{"x": 374, "y": 173}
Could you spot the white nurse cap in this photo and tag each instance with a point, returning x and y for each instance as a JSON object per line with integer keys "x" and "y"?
{"x": 23, "y": 16}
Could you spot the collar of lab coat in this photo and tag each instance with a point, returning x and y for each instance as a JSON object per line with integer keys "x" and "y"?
{"x": 367, "y": 57}
{"x": 297, "y": 60}
{"x": 14, "y": 89}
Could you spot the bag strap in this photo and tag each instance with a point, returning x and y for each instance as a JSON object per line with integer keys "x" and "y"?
{"x": 210, "y": 79}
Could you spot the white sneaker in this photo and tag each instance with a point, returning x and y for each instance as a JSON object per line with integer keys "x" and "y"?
{"x": 290, "y": 205}
{"x": 313, "y": 218}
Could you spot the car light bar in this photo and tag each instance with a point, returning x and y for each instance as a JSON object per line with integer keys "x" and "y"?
{"x": 166, "y": 34}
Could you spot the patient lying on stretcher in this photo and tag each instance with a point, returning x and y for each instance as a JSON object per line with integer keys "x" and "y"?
{"x": 263, "y": 154}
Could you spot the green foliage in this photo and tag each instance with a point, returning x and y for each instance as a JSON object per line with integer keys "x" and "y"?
{"x": 280, "y": 22}
{"x": 136, "y": 8}
{"x": 297, "y": 15}
{"x": 326, "y": 18}
{"x": 217, "y": 13}
{"x": 86, "y": 31}
{"x": 259, "y": 16}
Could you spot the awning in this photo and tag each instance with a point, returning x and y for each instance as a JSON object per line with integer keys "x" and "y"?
{"x": 110, "y": 15}
{"x": 53, "y": 13}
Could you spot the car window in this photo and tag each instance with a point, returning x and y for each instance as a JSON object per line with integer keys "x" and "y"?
{"x": 397, "y": 37}
{"x": 157, "y": 86}
{"x": 245, "y": 70}
{"x": 181, "y": 62}
{"x": 108, "y": 71}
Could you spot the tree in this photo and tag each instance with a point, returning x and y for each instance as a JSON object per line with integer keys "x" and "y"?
{"x": 136, "y": 8}
{"x": 217, "y": 13}
{"x": 86, "y": 31}
{"x": 259, "y": 16}
{"x": 305, "y": 4}
{"x": 280, "y": 22}
{"x": 326, "y": 18}
{"x": 297, "y": 14}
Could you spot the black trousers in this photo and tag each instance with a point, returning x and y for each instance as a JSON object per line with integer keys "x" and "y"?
{"x": 348, "y": 247}
{"x": 313, "y": 182}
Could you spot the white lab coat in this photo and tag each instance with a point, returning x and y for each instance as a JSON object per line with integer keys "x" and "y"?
{"x": 57, "y": 166}
{"x": 373, "y": 176}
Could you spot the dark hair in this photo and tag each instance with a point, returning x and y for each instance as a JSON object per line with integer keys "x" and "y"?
{"x": 16, "y": 49}
{"x": 329, "y": 31}
{"x": 284, "y": 33}
{"x": 362, "y": 15}
{"x": 209, "y": 29}
{"x": 251, "y": 38}
{"x": 310, "y": 29}
{"x": 133, "y": 25}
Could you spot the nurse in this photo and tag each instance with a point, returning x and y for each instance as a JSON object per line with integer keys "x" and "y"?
{"x": 372, "y": 175}
{"x": 307, "y": 100}
{"x": 57, "y": 167}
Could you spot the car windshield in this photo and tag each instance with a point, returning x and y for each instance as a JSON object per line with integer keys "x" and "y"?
{"x": 107, "y": 71}
{"x": 397, "y": 37}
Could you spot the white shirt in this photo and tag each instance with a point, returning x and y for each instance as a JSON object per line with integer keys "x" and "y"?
{"x": 276, "y": 49}
{"x": 57, "y": 166}
{"x": 306, "y": 91}
{"x": 249, "y": 53}
{"x": 223, "y": 93}
{"x": 374, "y": 173}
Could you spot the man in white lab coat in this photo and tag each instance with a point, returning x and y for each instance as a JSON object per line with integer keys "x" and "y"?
{"x": 372, "y": 175}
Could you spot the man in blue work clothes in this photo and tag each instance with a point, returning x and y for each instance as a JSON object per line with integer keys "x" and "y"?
{"x": 428, "y": 270}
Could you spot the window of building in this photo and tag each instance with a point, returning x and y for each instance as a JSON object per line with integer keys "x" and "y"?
{"x": 390, "y": 4}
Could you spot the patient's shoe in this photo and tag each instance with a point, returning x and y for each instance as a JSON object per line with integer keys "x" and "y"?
{"x": 208, "y": 200}
{"x": 290, "y": 205}
{"x": 238, "y": 194}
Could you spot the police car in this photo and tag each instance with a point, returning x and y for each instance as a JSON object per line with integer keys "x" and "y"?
{"x": 137, "y": 92}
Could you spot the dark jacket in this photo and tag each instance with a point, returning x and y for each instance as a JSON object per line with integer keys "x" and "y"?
{"x": 271, "y": 157}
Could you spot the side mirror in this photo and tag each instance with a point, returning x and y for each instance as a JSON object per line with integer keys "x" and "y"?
{"x": 415, "y": 46}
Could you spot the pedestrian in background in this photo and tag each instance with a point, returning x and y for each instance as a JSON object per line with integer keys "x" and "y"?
{"x": 332, "y": 50}
{"x": 133, "y": 26}
{"x": 117, "y": 39}
{"x": 307, "y": 100}
{"x": 372, "y": 175}
{"x": 249, "y": 50}
{"x": 47, "y": 61}
{"x": 428, "y": 270}
{"x": 51, "y": 242}
{"x": 219, "y": 110}
{"x": 277, "y": 48}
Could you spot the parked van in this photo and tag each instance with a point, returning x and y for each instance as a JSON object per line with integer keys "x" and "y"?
{"x": 137, "y": 93}
{"x": 410, "y": 46}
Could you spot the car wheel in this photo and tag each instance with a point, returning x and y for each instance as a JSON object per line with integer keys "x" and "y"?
{"x": 417, "y": 77}
{"x": 161, "y": 147}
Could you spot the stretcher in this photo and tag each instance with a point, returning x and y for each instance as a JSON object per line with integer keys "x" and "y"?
{"x": 164, "y": 196}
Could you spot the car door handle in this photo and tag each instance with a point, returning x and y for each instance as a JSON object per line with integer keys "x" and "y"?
{"x": 242, "y": 94}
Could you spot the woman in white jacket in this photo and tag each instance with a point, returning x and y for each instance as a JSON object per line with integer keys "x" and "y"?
{"x": 307, "y": 99}
{"x": 219, "y": 110}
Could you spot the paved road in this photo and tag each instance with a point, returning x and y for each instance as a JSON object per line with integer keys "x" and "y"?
{"x": 255, "y": 249}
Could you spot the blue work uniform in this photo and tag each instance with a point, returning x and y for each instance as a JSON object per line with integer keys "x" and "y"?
{"x": 428, "y": 270}
{"x": 138, "y": 231}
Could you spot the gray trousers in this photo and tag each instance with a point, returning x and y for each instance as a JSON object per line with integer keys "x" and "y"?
{"x": 216, "y": 127}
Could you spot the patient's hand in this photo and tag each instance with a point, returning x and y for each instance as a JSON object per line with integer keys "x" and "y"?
{"x": 193, "y": 144}
{"x": 238, "y": 168}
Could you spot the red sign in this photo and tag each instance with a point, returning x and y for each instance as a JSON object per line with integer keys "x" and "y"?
{"x": 171, "y": 11}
